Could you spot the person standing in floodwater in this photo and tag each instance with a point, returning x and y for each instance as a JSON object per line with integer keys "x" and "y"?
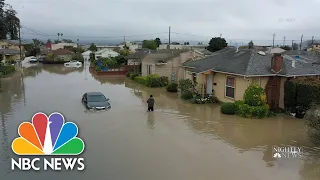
{"x": 150, "y": 102}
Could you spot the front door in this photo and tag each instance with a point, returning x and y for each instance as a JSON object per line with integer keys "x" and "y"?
{"x": 209, "y": 84}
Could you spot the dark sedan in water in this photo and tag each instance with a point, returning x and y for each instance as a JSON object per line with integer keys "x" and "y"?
{"x": 95, "y": 101}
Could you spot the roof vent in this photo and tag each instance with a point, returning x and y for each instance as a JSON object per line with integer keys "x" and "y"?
{"x": 262, "y": 53}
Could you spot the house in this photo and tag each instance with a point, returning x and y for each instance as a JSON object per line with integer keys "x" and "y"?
{"x": 133, "y": 46}
{"x": 316, "y": 47}
{"x": 105, "y": 53}
{"x": 63, "y": 54}
{"x": 86, "y": 55}
{"x": 62, "y": 45}
{"x": 135, "y": 58}
{"x": 113, "y": 48}
{"x": 10, "y": 49}
{"x": 227, "y": 73}
{"x": 167, "y": 62}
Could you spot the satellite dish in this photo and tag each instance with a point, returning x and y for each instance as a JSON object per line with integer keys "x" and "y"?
{"x": 262, "y": 53}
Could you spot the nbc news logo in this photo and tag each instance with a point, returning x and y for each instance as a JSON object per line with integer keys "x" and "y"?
{"x": 287, "y": 152}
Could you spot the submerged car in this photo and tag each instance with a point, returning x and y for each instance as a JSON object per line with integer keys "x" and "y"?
{"x": 33, "y": 60}
{"x": 73, "y": 63}
{"x": 95, "y": 101}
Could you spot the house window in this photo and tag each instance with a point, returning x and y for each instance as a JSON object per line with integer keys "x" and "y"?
{"x": 149, "y": 69}
{"x": 230, "y": 86}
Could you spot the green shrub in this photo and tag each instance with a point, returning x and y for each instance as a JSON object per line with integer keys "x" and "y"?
{"x": 255, "y": 95}
{"x": 153, "y": 80}
{"x": 140, "y": 79}
{"x": 185, "y": 85}
{"x": 172, "y": 87}
{"x": 247, "y": 111}
{"x": 8, "y": 69}
{"x": 228, "y": 108}
{"x": 187, "y": 95}
{"x": 164, "y": 81}
{"x": 133, "y": 75}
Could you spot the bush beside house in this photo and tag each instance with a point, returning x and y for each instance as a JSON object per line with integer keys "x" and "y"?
{"x": 253, "y": 106}
{"x": 6, "y": 70}
{"x": 187, "y": 93}
{"x": 228, "y": 108}
{"x": 152, "y": 80}
{"x": 172, "y": 87}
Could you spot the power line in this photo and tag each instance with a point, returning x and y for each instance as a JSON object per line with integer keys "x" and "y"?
{"x": 39, "y": 33}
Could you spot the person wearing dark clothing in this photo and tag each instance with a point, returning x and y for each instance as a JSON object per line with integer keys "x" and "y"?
{"x": 150, "y": 102}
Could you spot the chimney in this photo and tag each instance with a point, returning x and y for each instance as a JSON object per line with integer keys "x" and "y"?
{"x": 276, "y": 63}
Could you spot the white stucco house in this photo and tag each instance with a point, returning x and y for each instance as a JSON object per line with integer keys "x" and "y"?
{"x": 86, "y": 55}
{"x": 106, "y": 53}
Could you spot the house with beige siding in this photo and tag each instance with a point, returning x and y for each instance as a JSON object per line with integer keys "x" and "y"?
{"x": 167, "y": 62}
{"x": 227, "y": 73}
{"x": 10, "y": 50}
{"x": 63, "y": 54}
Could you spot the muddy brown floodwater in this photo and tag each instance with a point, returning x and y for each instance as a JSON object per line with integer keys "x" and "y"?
{"x": 178, "y": 141}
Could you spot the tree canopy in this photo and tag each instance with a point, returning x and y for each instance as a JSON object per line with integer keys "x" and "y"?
{"x": 250, "y": 45}
{"x": 217, "y": 44}
{"x": 93, "y": 47}
{"x": 149, "y": 44}
{"x": 158, "y": 41}
{"x": 9, "y": 22}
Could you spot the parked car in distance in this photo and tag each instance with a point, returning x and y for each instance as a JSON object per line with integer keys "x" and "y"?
{"x": 33, "y": 60}
{"x": 73, "y": 63}
{"x": 95, "y": 101}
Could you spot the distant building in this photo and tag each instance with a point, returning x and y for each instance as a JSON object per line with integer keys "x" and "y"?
{"x": 105, "y": 53}
{"x": 62, "y": 45}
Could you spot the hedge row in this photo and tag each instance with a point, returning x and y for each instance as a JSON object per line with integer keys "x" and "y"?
{"x": 300, "y": 94}
{"x": 152, "y": 80}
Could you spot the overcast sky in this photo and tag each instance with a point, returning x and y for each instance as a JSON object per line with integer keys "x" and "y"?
{"x": 236, "y": 20}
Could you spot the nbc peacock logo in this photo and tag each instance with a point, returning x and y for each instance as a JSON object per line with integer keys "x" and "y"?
{"x": 47, "y": 136}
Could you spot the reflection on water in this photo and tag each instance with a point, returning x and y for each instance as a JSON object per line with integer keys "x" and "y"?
{"x": 177, "y": 141}
{"x": 150, "y": 121}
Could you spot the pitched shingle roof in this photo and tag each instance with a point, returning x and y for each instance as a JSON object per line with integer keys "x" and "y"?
{"x": 10, "y": 51}
{"x": 62, "y": 52}
{"x": 250, "y": 63}
{"x": 164, "y": 55}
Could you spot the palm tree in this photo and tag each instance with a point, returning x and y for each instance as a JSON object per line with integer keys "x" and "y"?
{"x": 58, "y": 37}
{"x": 61, "y": 35}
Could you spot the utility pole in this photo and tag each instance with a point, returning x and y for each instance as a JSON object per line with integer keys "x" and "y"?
{"x": 284, "y": 40}
{"x": 301, "y": 42}
{"x": 312, "y": 40}
{"x": 20, "y": 43}
{"x": 274, "y": 35}
{"x": 292, "y": 44}
{"x": 169, "y": 34}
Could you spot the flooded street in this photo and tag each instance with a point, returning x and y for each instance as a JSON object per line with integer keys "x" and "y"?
{"x": 178, "y": 141}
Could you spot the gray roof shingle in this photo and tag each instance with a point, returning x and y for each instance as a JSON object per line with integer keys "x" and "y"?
{"x": 250, "y": 63}
{"x": 10, "y": 51}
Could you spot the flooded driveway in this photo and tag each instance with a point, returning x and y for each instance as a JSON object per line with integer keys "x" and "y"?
{"x": 178, "y": 141}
